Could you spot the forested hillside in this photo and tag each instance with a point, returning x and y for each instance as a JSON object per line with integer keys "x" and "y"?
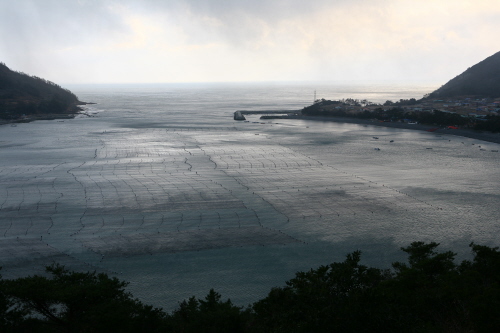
{"x": 22, "y": 94}
{"x": 480, "y": 80}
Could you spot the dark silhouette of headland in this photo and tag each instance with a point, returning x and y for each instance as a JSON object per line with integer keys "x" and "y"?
{"x": 480, "y": 81}
{"x": 24, "y": 97}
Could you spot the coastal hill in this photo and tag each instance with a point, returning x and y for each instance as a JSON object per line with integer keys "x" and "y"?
{"x": 23, "y": 95}
{"x": 480, "y": 80}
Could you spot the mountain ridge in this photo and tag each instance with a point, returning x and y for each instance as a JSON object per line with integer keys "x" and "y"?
{"x": 479, "y": 80}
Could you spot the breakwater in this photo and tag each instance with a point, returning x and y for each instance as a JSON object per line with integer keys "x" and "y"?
{"x": 240, "y": 114}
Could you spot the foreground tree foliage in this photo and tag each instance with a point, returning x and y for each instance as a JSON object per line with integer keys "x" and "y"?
{"x": 209, "y": 315}
{"x": 322, "y": 300}
{"x": 75, "y": 302}
{"x": 429, "y": 293}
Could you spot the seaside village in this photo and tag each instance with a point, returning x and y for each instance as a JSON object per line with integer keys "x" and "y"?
{"x": 466, "y": 112}
{"x": 466, "y": 107}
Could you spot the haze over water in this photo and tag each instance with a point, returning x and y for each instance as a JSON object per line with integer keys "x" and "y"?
{"x": 162, "y": 188}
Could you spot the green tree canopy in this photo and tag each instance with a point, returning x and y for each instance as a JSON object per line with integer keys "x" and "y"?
{"x": 77, "y": 302}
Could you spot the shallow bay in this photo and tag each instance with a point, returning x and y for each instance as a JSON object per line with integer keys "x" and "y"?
{"x": 162, "y": 188}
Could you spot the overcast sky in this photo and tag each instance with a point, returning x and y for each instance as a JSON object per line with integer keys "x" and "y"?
{"x": 125, "y": 41}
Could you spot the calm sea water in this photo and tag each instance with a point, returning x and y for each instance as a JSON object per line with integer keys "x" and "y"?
{"x": 162, "y": 188}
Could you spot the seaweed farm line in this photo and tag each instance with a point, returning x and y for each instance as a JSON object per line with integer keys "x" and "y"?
{"x": 176, "y": 197}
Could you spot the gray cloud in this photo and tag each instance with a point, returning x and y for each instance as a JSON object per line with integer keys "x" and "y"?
{"x": 241, "y": 20}
{"x": 27, "y": 27}
{"x": 285, "y": 39}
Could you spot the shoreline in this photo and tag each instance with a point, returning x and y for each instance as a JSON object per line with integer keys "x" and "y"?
{"x": 77, "y": 110}
{"x": 468, "y": 133}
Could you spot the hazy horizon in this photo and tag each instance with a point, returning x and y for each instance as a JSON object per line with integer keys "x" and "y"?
{"x": 242, "y": 83}
{"x": 192, "y": 41}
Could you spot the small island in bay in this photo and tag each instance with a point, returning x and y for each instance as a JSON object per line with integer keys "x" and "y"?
{"x": 25, "y": 98}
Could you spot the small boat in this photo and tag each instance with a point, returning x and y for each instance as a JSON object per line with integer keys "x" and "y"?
{"x": 391, "y": 141}
{"x": 376, "y": 148}
{"x": 375, "y": 137}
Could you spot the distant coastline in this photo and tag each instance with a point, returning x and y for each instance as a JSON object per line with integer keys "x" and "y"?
{"x": 469, "y": 133}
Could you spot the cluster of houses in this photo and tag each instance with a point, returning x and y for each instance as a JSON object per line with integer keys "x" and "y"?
{"x": 466, "y": 106}
{"x": 469, "y": 107}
